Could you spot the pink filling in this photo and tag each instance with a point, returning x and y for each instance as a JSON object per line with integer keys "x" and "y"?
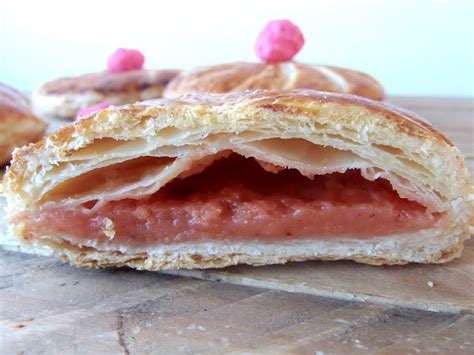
{"x": 87, "y": 110}
{"x": 236, "y": 199}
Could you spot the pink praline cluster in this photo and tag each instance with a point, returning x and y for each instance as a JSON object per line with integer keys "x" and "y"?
{"x": 279, "y": 41}
{"x": 124, "y": 60}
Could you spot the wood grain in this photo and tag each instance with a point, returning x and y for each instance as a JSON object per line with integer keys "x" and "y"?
{"x": 330, "y": 307}
{"x": 52, "y": 308}
{"x": 407, "y": 286}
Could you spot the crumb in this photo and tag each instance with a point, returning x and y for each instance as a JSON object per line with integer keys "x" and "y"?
{"x": 23, "y": 323}
{"x": 136, "y": 330}
{"x": 196, "y": 327}
{"x": 430, "y": 284}
{"x": 108, "y": 228}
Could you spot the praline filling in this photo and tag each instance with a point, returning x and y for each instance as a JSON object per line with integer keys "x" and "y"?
{"x": 235, "y": 199}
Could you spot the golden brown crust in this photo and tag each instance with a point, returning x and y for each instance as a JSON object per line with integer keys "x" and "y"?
{"x": 18, "y": 126}
{"x": 235, "y": 77}
{"x": 406, "y": 121}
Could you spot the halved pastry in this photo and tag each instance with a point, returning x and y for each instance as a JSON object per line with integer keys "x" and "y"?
{"x": 257, "y": 178}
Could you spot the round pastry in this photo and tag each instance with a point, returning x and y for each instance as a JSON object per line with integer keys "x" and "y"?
{"x": 234, "y": 77}
{"x": 66, "y": 96}
{"x": 18, "y": 126}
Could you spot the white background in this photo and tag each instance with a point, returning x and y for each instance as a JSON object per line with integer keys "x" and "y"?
{"x": 414, "y": 47}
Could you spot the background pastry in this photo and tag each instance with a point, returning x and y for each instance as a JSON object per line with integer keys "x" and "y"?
{"x": 18, "y": 126}
{"x": 257, "y": 178}
{"x": 123, "y": 82}
{"x": 235, "y": 77}
{"x": 65, "y": 97}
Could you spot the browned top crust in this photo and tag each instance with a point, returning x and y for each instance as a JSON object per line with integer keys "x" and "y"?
{"x": 107, "y": 83}
{"x": 284, "y": 112}
{"x": 293, "y": 101}
{"x": 235, "y": 77}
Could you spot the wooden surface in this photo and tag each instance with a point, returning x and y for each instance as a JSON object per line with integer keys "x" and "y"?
{"x": 52, "y": 308}
{"x": 442, "y": 288}
{"x": 331, "y": 307}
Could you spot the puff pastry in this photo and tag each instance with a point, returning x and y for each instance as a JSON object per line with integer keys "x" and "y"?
{"x": 66, "y": 96}
{"x": 257, "y": 178}
{"x": 235, "y": 77}
{"x": 18, "y": 126}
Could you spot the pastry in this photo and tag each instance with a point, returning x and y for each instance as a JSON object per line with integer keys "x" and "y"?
{"x": 256, "y": 178}
{"x": 18, "y": 126}
{"x": 65, "y": 97}
{"x": 286, "y": 75}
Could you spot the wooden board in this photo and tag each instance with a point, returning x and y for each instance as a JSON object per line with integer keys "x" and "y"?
{"x": 52, "y": 308}
{"x": 442, "y": 288}
{"x": 335, "y": 307}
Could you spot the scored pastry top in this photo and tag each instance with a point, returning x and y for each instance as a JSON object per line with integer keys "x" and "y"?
{"x": 287, "y": 75}
{"x": 106, "y": 83}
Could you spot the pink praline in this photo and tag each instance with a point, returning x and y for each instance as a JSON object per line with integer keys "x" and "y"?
{"x": 88, "y": 110}
{"x": 279, "y": 41}
{"x": 124, "y": 59}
